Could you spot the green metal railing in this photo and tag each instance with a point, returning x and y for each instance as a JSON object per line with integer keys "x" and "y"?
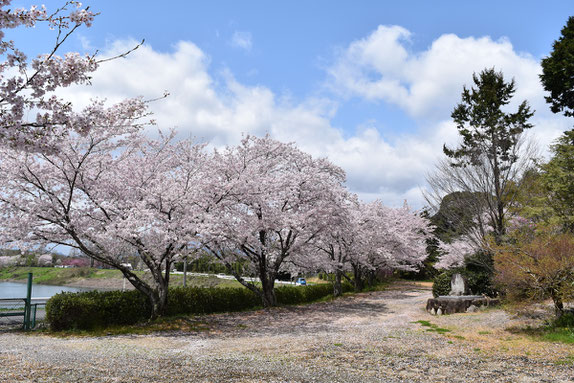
{"x": 28, "y": 311}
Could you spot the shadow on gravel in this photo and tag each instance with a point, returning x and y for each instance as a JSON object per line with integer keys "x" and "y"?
{"x": 296, "y": 319}
{"x": 404, "y": 295}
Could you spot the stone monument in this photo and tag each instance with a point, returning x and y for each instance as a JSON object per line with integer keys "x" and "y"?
{"x": 458, "y": 285}
{"x": 457, "y": 301}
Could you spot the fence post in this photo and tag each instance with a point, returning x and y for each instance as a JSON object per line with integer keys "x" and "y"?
{"x": 28, "y": 305}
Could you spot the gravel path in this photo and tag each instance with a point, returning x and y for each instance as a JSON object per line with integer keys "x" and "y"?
{"x": 368, "y": 337}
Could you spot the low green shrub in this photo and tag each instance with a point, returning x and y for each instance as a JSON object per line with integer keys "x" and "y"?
{"x": 441, "y": 284}
{"x": 292, "y": 295}
{"x": 196, "y": 300}
{"x": 94, "y": 309}
{"x": 100, "y": 309}
{"x": 566, "y": 320}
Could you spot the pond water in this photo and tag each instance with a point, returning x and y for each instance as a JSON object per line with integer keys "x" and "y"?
{"x": 18, "y": 290}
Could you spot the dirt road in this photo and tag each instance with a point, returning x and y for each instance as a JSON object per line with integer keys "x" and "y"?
{"x": 370, "y": 337}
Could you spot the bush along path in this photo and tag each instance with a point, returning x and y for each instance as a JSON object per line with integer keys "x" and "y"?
{"x": 96, "y": 309}
{"x": 379, "y": 336}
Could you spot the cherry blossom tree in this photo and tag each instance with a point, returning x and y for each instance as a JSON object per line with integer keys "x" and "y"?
{"x": 7, "y": 261}
{"x": 455, "y": 253}
{"x": 271, "y": 202}
{"x": 388, "y": 238}
{"x": 337, "y": 245}
{"x": 366, "y": 237}
{"x": 109, "y": 193}
{"x": 45, "y": 260}
{"x": 32, "y": 116}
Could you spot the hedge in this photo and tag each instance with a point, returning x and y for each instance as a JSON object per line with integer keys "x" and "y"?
{"x": 100, "y": 309}
{"x": 87, "y": 310}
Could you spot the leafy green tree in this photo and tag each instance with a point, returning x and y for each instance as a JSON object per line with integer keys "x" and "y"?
{"x": 558, "y": 179}
{"x": 558, "y": 72}
{"x": 454, "y": 218}
{"x": 558, "y": 78}
{"x": 491, "y": 139}
{"x": 531, "y": 201}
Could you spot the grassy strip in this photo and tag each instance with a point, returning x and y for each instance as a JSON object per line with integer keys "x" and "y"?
{"x": 560, "y": 330}
{"x": 61, "y": 276}
{"x": 432, "y": 327}
{"x": 547, "y": 333}
{"x": 55, "y": 275}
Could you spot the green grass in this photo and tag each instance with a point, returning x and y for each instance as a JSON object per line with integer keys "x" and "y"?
{"x": 63, "y": 276}
{"x": 46, "y": 275}
{"x": 425, "y": 323}
{"x": 560, "y": 331}
{"x": 562, "y": 335}
{"x": 203, "y": 281}
{"x": 432, "y": 327}
{"x": 7, "y": 310}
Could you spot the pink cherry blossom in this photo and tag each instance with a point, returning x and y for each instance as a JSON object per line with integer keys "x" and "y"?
{"x": 270, "y": 203}
{"x": 31, "y": 116}
{"x": 110, "y": 193}
{"x": 454, "y": 253}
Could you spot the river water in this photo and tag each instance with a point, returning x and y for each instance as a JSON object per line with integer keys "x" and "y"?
{"x": 18, "y": 290}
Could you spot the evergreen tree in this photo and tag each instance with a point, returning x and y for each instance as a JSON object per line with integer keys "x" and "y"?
{"x": 558, "y": 179}
{"x": 491, "y": 140}
{"x": 558, "y": 72}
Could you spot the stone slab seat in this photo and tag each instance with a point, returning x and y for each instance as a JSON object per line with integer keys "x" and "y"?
{"x": 448, "y": 304}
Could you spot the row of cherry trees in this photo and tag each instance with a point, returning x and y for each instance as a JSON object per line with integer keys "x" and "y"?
{"x": 91, "y": 180}
{"x": 112, "y": 192}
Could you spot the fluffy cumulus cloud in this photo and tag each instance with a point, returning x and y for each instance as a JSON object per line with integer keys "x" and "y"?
{"x": 428, "y": 83}
{"x": 217, "y": 108}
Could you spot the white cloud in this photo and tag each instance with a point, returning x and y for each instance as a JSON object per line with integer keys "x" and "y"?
{"x": 428, "y": 84}
{"x": 380, "y": 67}
{"x": 242, "y": 40}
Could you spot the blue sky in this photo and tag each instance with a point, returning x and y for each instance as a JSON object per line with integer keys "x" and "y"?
{"x": 370, "y": 84}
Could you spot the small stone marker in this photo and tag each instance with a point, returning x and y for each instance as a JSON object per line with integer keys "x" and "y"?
{"x": 457, "y": 285}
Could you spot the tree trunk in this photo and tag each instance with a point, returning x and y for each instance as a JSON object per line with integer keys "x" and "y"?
{"x": 358, "y": 278}
{"x": 267, "y": 286}
{"x": 157, "y": 296}
{"x": 185, "y": 272}
{"x": 499, "y": 214}
{"x": 558, "y": 304}
{"x": 156, "y": 305}
{"x": 337, "y": 286}
{"x": 371, "y": 278}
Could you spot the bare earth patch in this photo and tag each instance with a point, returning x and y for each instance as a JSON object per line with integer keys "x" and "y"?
{"x": 370, "y": 337}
